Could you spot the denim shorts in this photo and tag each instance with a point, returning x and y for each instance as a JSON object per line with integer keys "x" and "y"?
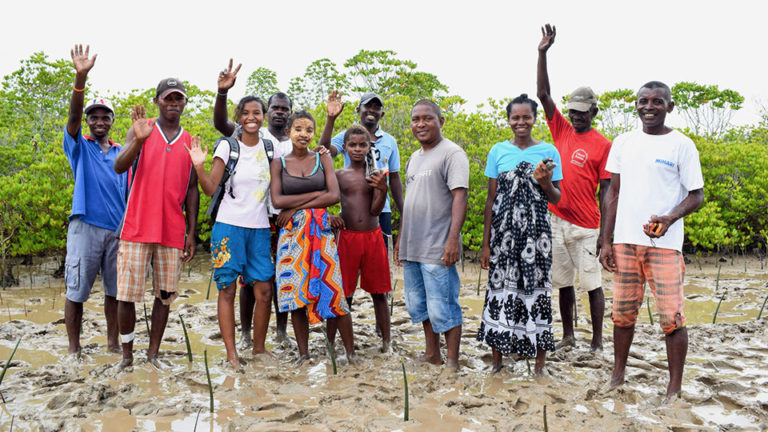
{"x": 432, "y": 292}
{"x": 239, "y": 251}
{"x": 90, "y": 249}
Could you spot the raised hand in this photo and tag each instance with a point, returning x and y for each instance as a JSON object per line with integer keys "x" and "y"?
{"x": 335, "y": 106}
{"x": 80, "y": 59}
{"x": 196, "y": 152}
{"x": 142, "y": 127}
{"x": 227, "y": 77}
{"x": 548, "y": 33}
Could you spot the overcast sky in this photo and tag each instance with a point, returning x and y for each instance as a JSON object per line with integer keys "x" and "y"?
{"x": 478, "y": 48}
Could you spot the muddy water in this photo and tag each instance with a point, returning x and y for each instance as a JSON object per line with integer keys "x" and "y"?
{"x": 725, "y": 386}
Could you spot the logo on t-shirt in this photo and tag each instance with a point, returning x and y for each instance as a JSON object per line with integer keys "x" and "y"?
{"x": 665, "y": 162}
{"x": 579, "y": 157}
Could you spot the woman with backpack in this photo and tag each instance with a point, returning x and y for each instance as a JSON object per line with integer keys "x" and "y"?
{"x": 240, "y": 239}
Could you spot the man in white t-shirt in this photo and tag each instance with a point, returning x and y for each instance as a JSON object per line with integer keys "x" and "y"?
{"x": 656, "y": 181}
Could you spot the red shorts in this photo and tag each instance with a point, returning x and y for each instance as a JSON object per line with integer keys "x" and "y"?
{"x": 364, "y": 253}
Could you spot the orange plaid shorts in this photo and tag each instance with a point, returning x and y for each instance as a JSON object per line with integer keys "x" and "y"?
{"x": 664, "y": 269}
{"x": 133, "y": 261}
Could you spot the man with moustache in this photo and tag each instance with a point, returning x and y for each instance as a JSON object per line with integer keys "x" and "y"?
{"x": 428, "y": 247}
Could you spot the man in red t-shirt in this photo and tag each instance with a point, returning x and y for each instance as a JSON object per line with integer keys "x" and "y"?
{"x": 576, "y": 218}
{"x": 155, "y": 229}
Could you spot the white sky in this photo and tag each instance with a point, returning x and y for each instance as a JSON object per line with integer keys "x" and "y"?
{"x": 478, "y": 48}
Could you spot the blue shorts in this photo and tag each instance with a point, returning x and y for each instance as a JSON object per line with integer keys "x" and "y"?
{"x": 432, "y": 292}
{"x": 239, "y": 251}
{"x": 89, "y": 249}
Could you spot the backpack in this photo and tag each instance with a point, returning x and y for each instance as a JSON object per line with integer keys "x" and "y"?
{"x": 229, "y": 170}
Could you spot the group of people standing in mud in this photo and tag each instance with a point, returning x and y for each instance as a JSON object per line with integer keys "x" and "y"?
{"x": 544, "y": 228}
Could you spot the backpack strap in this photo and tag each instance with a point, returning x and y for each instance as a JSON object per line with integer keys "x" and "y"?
{"x": 229, "y": 171}
{"x": 269, "y": 149}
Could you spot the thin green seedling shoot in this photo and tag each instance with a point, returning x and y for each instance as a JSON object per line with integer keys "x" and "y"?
{"x": 331, "y": 352}
{"x": 208, "y": 375}
{"x": 648, "y": 303}
{"x": 210, "y": 279}
{"x": 717, "y": 286}
{"x": 146, "y": 319}
{"x": 763, "y": 307}
{"x": 186, "y": 338}
{"x": 406, "y": 408}
{"x": 8, "y": 364}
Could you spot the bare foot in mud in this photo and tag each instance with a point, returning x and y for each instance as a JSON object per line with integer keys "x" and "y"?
{"x": 114, "y": 349}
{"x": 234, "y": 362}
{"x": 452, "y": 365}
{"x": 436, "y": 360}
{"x": 596, "y": 347}
{"x": 671, "y": 398}
{"x": 246, "y": 341}
{"x": 125, "y": 363}
{"x": 281, "y": 336}
{"x": 353, "y": 360}
{"x": 301, "y": 360}
{"x": 495, "y": 369}
{"x": 266, "y": 355}
{"x": 385, "y": 346}
{"x": 568, "y": 341}
{"x": 616, "y": 382}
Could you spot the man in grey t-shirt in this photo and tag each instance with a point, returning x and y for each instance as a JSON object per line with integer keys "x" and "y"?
{"x": 437, "y": 178}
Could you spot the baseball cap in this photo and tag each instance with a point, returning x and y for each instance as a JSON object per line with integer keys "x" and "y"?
{"x": 170, "y": 85}
{"x": 581, "y": 99}
{"x": 99, "y": 103}
{"x": 368, "y": 97}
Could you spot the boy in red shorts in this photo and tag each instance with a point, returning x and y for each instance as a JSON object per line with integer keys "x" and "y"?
{"x": 360, "y": 242}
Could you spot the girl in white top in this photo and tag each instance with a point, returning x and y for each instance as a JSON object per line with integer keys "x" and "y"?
{"x": 240, "y": 239}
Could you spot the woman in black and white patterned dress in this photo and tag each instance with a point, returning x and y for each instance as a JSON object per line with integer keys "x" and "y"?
{"x": 517, "y": 241}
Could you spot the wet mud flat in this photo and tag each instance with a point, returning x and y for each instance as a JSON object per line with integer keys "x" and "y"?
{"x": 725, "y": 386}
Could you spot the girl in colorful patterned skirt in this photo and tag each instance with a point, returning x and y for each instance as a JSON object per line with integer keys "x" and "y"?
{"x": 307, "y": 274}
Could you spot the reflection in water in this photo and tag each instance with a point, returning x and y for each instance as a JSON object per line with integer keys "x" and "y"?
{"x": 724, "y": 385}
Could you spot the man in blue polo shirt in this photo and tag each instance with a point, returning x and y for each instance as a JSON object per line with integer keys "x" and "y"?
{"x": 98, "y": 204}
{"x": 370, "y": 109}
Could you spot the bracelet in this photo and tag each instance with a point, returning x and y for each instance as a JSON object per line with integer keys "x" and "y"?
{"x": 221, "y": 94}
{"x": 77, "y": 89}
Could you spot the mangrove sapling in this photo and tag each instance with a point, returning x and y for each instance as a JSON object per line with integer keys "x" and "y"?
{"x": 648, "y": 303}
{"x": 196, "y": 419}
{"x": 406, "y": 408}
{"x": 717, "y": 286}
{"x": 331, "y": 352}
{"x": 392, "y": 299}
{"x": 714, "y": 318}
{"x": 762, "y": 307}
{"x": 575, "y": 315}
{"x": 210, "y": 279}
{"x": 546, "y": 426}
{"x": 146, "y": 319}
{"x": 186, "y": 338}
{"x": 8, "y": 364}
{"x": 479, "y": 274}
{"x": 208, "y": 375}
